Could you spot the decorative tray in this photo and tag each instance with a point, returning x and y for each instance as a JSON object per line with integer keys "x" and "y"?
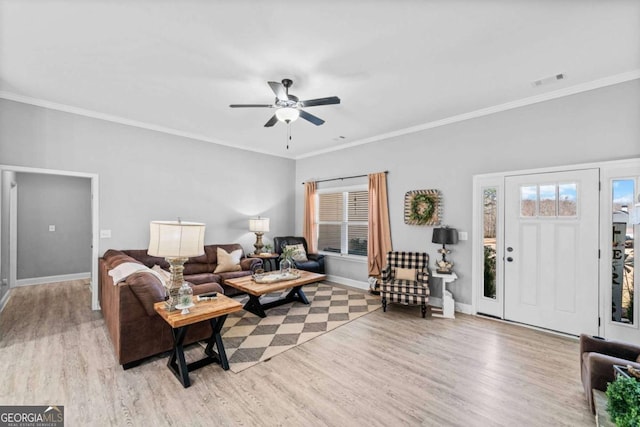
{"x": 274, "y": 277}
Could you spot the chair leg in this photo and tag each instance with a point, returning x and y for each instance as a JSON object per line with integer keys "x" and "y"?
{"x": 384, "y": 304}
{"x": 423, "y": 308}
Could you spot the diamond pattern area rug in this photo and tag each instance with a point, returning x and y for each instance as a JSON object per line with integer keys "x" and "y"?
{"x": 249, "y": 339}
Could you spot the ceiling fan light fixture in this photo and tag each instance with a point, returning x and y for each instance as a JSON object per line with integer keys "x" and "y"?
{"x": 287, "y": 114}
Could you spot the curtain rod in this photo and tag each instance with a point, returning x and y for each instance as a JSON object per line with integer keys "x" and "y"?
{"x": 342, "y": 178}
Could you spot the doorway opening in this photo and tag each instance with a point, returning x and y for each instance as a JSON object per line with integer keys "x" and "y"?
{"x": 9, "y": 229}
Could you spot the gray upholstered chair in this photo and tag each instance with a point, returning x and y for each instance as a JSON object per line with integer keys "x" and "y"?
{"x": 405, "y": 279}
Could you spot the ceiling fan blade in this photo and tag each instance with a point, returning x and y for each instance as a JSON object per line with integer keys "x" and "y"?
{"x": 310, "y": 117}
{"x": 320, "y": 101}
{"x": 279, "y": 90}
{"x": 251, "y": 105}
{"x": 272, "y": 121}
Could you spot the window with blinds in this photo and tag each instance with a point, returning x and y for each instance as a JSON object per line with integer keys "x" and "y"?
{"x": 343, "y": 222}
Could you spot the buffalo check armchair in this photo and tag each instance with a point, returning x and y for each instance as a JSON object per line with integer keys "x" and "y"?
{"x": 405, "y": 279}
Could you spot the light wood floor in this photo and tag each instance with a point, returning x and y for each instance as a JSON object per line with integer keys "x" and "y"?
{"x": 384, "y": 369}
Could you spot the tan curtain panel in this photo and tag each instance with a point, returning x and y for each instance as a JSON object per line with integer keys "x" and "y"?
{"x": 379, "y": 241}
{"x": 309, "y": 229}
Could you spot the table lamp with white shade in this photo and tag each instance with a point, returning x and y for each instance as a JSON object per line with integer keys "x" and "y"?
{"x": 259, "y": 226}
{"x": 176, "y": 241}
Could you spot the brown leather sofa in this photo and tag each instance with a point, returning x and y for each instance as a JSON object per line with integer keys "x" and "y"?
{"x": 597, "y": 357}
{"x": 136, "y": 331}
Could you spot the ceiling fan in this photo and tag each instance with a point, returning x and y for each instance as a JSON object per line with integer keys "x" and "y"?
{"x": 289, "y": 108}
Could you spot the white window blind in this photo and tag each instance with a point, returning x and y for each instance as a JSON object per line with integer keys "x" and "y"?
{"x": 343, "y": 222}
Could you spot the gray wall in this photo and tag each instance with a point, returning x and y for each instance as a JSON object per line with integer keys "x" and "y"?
{"x": 61, "y": 201}
{"x": 146, "y": 175}
{"x": 592, "y": 126}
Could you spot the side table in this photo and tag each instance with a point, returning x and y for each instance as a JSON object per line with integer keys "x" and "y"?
{"x": 214, "y": 311}
{"x": 269, "y": 260}
{"x": 448, "y": 303}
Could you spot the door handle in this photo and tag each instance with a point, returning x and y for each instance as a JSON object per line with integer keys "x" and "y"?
{"x": 509, "y": 249}
{"x": 509, "y": 259}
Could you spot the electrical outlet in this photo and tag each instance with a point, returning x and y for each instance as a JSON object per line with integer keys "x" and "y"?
{"x": 52, "y": 228}
{"x": 463, "y": 235}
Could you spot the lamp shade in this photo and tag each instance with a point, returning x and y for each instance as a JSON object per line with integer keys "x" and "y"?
{"x": 445, "y": 235}
{"x": 287, "y": 114}
{"x": 259, "y": 225}
{"x": 176, "y": 239}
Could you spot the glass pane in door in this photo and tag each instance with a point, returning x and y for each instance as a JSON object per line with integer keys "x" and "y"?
{"x": 568, "y": 199}
{"x": 547, "y": 206}
{"x": 528, "y": 200}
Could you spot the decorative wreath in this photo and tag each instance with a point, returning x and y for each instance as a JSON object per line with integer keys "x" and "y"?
{"x": 422, "y": 207}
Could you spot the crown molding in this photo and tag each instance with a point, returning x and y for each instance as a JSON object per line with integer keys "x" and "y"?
{"x": 571, "y": 90}
{"x": 121, "y": 120}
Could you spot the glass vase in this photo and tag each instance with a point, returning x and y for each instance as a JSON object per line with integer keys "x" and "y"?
{"x": 285, "y": 266}
{"x": 185, "y": 294}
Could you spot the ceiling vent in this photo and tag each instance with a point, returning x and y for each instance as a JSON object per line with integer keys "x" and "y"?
{"x": 550, "y": 79}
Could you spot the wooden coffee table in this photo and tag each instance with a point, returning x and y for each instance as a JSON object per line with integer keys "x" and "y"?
{"x": 215, "y": 311}
{"x": 256, "y": 290}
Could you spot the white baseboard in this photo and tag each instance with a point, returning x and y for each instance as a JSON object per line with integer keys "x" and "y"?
{"x": 460, "y": 307}
{"x": 52, "y": 279}
{"x": 4, "y": 300}
{"x": 348, "y": 282}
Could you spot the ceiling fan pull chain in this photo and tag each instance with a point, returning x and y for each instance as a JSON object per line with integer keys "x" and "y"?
{"x": 288, "y": 134}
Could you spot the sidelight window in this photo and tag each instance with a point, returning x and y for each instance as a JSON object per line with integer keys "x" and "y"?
{"x": 622, "y": 263}
{"x": 489, "y": 227}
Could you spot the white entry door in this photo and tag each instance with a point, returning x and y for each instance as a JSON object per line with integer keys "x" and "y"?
{"x": 551, "y": 250}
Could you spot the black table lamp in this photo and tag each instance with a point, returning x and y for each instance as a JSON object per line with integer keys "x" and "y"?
{"x": 445, "y": 236}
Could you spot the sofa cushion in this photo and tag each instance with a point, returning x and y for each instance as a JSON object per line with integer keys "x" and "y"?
{"x": 191, "y": 267}
{"x": 405, "y": 273}
{"x": 228, "y": 261}
{"x": 148, "y": 289}
{"x": 197, "y": 279}
{"x": 143, "y": 256}
{"x": 113, "y": 258}
{"x": 299, "y": 254}
{"x": 206, "y": 288}
{"x": 233, "y": 274}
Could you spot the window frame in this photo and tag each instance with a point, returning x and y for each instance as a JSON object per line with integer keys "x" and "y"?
{"x": 344, "y": 224}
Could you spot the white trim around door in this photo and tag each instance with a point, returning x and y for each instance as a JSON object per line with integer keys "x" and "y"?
{"x": 609, "y": 172}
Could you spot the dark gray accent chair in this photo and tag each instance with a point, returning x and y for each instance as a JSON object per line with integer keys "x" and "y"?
{"x": 316, "y": 261}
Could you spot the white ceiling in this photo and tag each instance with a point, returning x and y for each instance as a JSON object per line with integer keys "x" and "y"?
{"x": 397, "y": 65}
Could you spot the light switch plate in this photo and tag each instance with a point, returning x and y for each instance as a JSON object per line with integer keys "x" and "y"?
{"x": 105, "y": 234}
{"x": 463, "y": 235}
{"x": 52, "y": 228}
